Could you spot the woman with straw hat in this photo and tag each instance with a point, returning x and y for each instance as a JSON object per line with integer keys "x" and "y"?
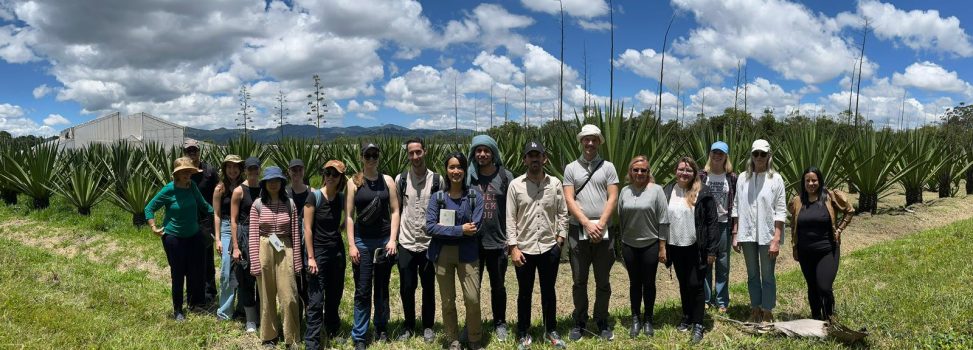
{"x": 180, "y": 232}
{"x": 231, "y": 176}
{"x": 275, "y": 258}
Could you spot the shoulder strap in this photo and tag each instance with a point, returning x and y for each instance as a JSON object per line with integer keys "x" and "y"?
{"x": 440, "y": 201}
{"x": 317, "y": 198}
{"x": 590, "y": 174}
{"x": 435, "y": 183}
{"x": 401, "y": 184}
{"x": 259, "y": 204}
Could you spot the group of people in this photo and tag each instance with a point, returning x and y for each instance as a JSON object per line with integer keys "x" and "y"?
{"x": 283, "y": 250}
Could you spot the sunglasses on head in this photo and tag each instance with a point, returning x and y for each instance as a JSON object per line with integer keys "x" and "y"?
{"x": 640, "y": 170}
{"x": 371, "y": 156}
{"x": 759, "y": 154}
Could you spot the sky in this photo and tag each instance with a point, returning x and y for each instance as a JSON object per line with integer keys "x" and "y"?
{"x": 420, "y": 64}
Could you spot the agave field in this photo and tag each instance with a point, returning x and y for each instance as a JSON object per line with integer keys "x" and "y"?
{"x": 872, "y": 163}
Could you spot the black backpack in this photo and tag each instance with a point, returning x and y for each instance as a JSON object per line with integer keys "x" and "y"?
{"x": 401, "y": 184}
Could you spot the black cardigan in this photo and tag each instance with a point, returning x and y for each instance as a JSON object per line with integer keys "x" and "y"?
{"x": 706, "y": 219}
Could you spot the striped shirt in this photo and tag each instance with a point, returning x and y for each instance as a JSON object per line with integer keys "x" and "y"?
{"x": 279, "y": 218}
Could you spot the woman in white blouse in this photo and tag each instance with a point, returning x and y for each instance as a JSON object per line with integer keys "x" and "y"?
{"x": 759, "y": 211}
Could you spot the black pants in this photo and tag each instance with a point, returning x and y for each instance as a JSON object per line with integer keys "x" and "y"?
{"x": 414, "y": 268}
{"x": 325, "y": 290}
{"x": 686, "y": 261}
{"x": 494, "y": 262}
{"x": 183, "y": 254}
{"x": 597, "y": 258}
{"x": 642, "y": 264}
{"x": 208, "y": 266}
{"x": 820, "y": 267}
{"x": 545, "y": 264}
{"x": 246, "y": 293}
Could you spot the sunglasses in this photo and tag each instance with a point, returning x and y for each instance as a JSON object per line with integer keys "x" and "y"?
{"x": 371, "y": 156}
{"x": 640, "y": 170}
{"x": 759, "y": 154}
{"x": 331, "y": 173}
{"x": 191, "y": 151}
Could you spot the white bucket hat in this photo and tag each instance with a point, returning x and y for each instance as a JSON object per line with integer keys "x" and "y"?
{"x": 590, "y": 130}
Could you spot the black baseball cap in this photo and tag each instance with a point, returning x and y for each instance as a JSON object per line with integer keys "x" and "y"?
{"x": 532, "y": 146}
{"x": 369, "y": 146}
{"x": 252, "y": 161}
{"x": 295, "y": 162}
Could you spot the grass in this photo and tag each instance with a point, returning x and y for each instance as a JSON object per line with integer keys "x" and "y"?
{"x": 81, "y": 293}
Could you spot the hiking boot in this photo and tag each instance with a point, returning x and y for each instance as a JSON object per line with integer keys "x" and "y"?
{"x": 270, "y": 344}
{"x": 382, "y": 337}
{"x": 555, "y": 340}
{"x": 647, "y": 329}
{"x": 501, "y": 331}
{"x": 524, "y": 342}
{"x": 576, "y": 331}
{"x": 455, "y": 345}
{"x": 428, "y": 335}
{"x": 697, "y": 333}
{"x": 755, "y": 315}
{"x": 607, "y": 334}
{"x": 179, "y": 316}
{"x": 767, "y": 316}
{"x": 405, "y": 335}
{"x": 636, "y": 327}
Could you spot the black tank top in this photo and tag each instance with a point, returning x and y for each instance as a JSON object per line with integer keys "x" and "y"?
{"x": 363, "y": 196}
{"x": 225, "y": 205}
{"x": 250, "y": 194}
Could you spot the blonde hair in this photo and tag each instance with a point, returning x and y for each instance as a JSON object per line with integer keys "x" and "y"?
{"x": 639, "y": 158}
{"x": 695, "y": 187}
{"x": 727, "y": 164}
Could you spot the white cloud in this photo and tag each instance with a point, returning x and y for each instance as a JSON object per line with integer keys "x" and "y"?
{"x": 500, "y": 68}
{"x": 930, "y": 76}
{"x": 646, "y": 64}
{"x": 55, "y": 119}
{"x": 41, "y": 91}
{"x": 497, "y": 27}
{"x": 753, "y": 97}
{"x": 595, "y": 26}
{"x": 784, "y": 36}
{"x": 365, "y": 107}
{"x": 13, "y": 120}
{"x": 574, "y": 8}
{"x": 544, "y": 69}
{"x": 15, "y": 44}
{"x": 917, "y": 29}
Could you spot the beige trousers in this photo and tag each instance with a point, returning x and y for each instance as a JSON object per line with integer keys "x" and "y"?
{"x": 277, "y": 283}
{"x": 447, "y": 267}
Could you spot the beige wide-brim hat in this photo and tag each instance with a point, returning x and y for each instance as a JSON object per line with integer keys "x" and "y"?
{"x": 232, "y": 158}
{"x": 184, "y": 163}
{"x": 591, "y": 130}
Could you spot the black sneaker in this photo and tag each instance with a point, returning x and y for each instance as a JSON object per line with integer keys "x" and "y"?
{"x": 359, "y": 345}
{"x": 270, "y": 344}
{"x": 647, "y": 329}
{"x": 405, "y": 335}
{"x": 501, "y": 331}
{"x": 179, "y": 316}
{"x": 455, "y": 345}
{"x": 428, "y": 335}
{"x": 383, "y": 337}
{"x": 684, "y": 326}
{"x": 575, "y": 334}
{"x": 636, "y": 327}
{"x": 524, "y": 342}
{"x": 697, "y": 333}
{"x": 555, "y": 340}
{"x": 607, "y": 334}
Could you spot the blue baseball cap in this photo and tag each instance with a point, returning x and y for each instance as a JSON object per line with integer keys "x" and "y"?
{"x": 720, "y": 146}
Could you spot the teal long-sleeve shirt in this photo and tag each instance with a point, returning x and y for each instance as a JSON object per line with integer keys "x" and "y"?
{"x": 183, "y": 206}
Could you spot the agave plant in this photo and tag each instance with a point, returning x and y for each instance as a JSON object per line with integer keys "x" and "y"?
{"x": 807, "y": 147}
{"x": 32, "y": 171}
{"x": 922, "y": 150}
{"x": 950, "y": 174}
{"x": 7, "y": 191}
{"x": 511, "y": 139}
{"x": 245, "y": 147}
{"x": 82, "y": 185}
{"x": 872, "y": 163}
{"x": 138, "y": 191}
{"x": 159, "y": 160}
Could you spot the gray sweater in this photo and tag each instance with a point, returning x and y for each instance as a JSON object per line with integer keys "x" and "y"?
{"x": 643, "y": 215}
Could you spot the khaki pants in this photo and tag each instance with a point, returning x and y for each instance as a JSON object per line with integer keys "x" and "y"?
{"x": 447, "y": 266}
{"x": 277, "y": 283}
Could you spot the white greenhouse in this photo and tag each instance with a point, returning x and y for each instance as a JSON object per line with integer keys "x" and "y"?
{"x": 136, "y": 128}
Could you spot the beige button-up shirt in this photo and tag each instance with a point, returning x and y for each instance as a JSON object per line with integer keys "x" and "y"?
{"x": 536, "y": 214}
{"x": 412, "y": 226}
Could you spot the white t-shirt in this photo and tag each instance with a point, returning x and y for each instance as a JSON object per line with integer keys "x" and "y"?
{"x": 719, "y": 188}
{"x": 682, "y": 221}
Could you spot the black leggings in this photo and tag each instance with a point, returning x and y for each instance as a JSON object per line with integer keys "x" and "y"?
{"x": 642, "y": 264}
{"x": 185, "y": 255}
{"x": 686, "y": 261}
{"x": 820, "y": 269}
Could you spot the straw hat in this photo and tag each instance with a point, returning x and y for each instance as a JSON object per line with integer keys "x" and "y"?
{"x": 232, "y": 158}
{"x": 184, "y": 163}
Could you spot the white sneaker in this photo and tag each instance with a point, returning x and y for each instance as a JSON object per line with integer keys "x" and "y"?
{"x": 251, "y": 327}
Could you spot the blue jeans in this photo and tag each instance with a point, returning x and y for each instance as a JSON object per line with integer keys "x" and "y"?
{"x": 761, "y": 282}
{"x": 721, "y": 296}
{"x": 228, "y": 281}
{"x": 371, "y": 286}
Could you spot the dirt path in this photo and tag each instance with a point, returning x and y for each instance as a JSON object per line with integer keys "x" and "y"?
{"x": 866, "y": 230}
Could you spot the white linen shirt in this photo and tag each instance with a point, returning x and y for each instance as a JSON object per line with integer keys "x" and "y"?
{"x": 758, "y": 203}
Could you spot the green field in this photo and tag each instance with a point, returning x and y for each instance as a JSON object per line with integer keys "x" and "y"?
{"x": 96, "y": 282}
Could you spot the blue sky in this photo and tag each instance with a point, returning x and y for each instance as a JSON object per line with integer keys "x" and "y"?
{"x": 399, "y": 61}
